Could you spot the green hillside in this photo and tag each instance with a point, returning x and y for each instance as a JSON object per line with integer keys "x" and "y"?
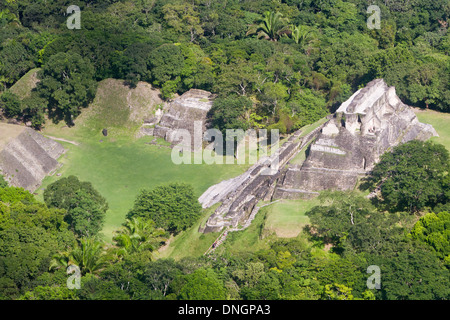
{"x": 440, "y": 121}
{"x": 22, "y": 88}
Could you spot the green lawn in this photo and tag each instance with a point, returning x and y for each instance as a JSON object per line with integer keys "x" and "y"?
{"x": 119, "y": 168}
{"x": 440, "y": 122}
{"x": 287, "y": 218}
{"x": 248, "y": 240}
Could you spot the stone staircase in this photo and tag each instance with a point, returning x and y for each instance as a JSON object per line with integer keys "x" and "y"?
{"x": 222, "y": 237}
{"x": 239, "y": 204}
{"x": 28, "y": 158}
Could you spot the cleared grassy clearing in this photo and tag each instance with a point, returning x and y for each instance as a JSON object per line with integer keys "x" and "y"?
{"x": 119, "y": 165}
{"x": 287, "y": 218}
{"x": 120, "y": 168}
{"x": 440, "y": 121}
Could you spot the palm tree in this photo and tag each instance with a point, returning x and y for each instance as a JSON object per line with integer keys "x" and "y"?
{"x": 302, "y": 35}
{"x": 138, "y": 235}
{"x": 88, "y": 255}
{"x": 271, "y": 27}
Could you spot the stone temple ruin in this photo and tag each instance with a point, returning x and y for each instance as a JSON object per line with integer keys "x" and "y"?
{"x": 26, "y": 156}
{"x": 192, "y": 106}
{"x": 370, "y": 123}
{"x": 340, "y": 151}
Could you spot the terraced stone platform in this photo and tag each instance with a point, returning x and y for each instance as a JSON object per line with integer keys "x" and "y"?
{"x": 26, "y": 156}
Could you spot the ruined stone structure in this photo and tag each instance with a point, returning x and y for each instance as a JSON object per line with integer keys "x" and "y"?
{"x": 183, "y": 112}
{"x": 368, "y": 124}
{"x": 345, "y": 148}
{"x": 27, "y": 157}
{"x": 240, "y": 195}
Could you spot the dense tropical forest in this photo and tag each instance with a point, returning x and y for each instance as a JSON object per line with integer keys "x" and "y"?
{"x": 272, "y": 64}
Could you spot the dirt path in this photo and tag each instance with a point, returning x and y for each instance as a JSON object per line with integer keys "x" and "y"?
{"x": 64, "y": 140}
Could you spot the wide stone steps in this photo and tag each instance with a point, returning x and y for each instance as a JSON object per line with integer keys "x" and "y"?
{"x": 28, "y": 158}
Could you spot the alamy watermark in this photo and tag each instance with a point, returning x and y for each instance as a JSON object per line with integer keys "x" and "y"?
{"x": 74, "y": 20}
{"x": 74, "y": 281}
{"x": 241, "y": 147}
{"x": 374, "y": 281}
{"x": 374, "y": 21}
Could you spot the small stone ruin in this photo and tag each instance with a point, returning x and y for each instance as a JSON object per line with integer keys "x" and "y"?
{"x": 183, "y": 112}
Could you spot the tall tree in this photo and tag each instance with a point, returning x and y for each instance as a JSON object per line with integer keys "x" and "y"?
{"x": 304, "y": 36}
{"x": 86, "y": 207}
{"x": 412, "y": 176}
{"x": 30, "y": 233}
{"x": 173, "y": 207}
{"x": 434, "y": 230}
{"x": 10, "y": 104}
{"x": 67, "y": 82}
{"x": 203, "y": 284}
{"x": 87, "y": 254}
{"x": 184, "y": 19}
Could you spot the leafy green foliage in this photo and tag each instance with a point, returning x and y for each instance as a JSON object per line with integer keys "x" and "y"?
{"x": 412, "y": 176}
{"x": 15, "y": 59}
{"x": 10, "y": 104}
{"x": 50, "y": 293}
{"x": 351, "y": 223}
{"x": 33, "y": 109}
{"x": 318, "y": 54}
{"x": 271, "y": 27}
{"x": 203, "y": 284}
{"x": 30, "y": 234}
{"x": 307, "y": 107}
{"x": 86, "y": 208}
{"x": 166, "y": 63}
{"x": 87, "y": 254}
{"x": 172, "y": 207}
{"x": 138, "y": 235}
{"x": 3, "y": 182}
{"x": 230, "y": 113}
{"x": 68, "y": 85}
{"x": 13, "y": 195}
{"x": 414, "y": 274}
{"x": 132, "y": 64}
{"x": 434, "y": 230}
